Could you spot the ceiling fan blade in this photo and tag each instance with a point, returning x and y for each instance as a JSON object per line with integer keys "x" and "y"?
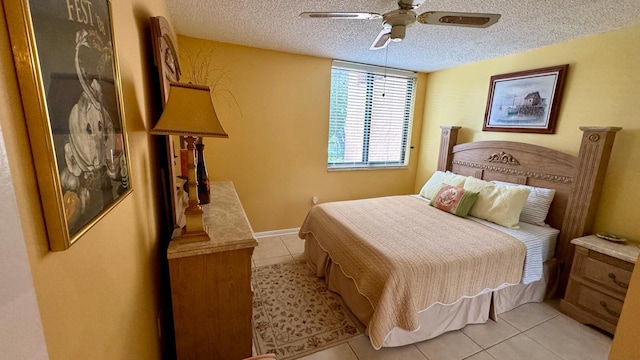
{"x": 341, "y": 15}
{"x": 478, "y": 20}
{"x": 382, "y": 39}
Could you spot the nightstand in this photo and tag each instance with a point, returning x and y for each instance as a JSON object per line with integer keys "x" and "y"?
{"x": 599, "y": 280}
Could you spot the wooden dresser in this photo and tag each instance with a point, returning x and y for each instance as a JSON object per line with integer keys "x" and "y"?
{"x": 211, "y": 283}
{"x": 599, "y": 280}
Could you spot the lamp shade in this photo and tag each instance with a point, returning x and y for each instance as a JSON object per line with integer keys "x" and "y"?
{"x": 189, "y": 112}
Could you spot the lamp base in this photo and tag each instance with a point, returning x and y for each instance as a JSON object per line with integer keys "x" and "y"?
{"x": 191, "y": 237}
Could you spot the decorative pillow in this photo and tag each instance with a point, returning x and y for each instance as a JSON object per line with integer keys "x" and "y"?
{"x": 538, "y": 202}
{"x": 499, "y": 204}
{"x": 438, "y": 178}
{"x": 455, "y": 200}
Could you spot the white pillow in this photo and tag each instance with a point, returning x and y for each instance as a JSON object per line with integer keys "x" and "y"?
{"x": 431, "y": 187}
{"x": 496, "y": 203}
{"x": 537, "y": 206}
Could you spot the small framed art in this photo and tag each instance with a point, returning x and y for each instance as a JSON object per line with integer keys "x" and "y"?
{"x": 525, "y": 101}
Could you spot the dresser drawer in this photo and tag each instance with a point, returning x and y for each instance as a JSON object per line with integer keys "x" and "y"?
{"x": 596, "y": 302}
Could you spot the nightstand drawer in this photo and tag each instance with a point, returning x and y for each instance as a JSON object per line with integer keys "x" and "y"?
{"x": 607, "y": 275}
{"x": 604, "y": 305}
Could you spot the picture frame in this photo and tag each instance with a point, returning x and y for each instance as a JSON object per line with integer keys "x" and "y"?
{"x": 525, "y": 101}
{"x": 69, "y": 79}
{"x": 167, "y": 62}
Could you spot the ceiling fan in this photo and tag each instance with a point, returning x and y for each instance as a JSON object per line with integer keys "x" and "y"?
{"x": 394, "y": 23}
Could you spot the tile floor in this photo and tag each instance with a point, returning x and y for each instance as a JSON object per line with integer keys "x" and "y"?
{"x": 536, "y": 331}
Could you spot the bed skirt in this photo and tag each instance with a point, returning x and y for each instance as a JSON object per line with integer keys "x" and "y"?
{"x": 438, "y": 318}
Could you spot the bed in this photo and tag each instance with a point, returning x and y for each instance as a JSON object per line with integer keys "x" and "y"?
{"x": 411, "y": 272}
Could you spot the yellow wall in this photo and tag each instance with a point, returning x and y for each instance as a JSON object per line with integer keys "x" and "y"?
{"x": 602, "y": 88}
{"x": 276, "y": 153}
{"x": 100, "y": 298}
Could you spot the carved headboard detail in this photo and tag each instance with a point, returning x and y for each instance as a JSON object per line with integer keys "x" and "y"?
{"x": 502, "y": 157}
{"x": 516, "y": 172}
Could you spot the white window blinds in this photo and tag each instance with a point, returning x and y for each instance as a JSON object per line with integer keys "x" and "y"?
{"x": 371, "y": 112}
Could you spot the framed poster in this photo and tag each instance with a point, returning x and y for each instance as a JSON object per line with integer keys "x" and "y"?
{"x": 525, "y": 101}
{"x": 69, "y": 81}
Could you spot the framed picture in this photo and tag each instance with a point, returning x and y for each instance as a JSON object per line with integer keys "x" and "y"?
{"x": 525, "y": 101}
{"x": 69, "y": 81}
{"x": 167, "y": 62}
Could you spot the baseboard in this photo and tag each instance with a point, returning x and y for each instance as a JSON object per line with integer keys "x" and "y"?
{"x": 276, "y": 232}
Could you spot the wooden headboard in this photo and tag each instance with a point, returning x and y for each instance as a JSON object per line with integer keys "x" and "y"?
{"x": 577, "y": 180}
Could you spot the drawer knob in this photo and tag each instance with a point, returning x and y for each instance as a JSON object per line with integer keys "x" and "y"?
{"x": 609, "y": 311}
{"x": 612, "y": 276}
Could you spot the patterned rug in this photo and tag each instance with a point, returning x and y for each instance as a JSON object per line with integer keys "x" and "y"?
{"x": 294, "y": 314}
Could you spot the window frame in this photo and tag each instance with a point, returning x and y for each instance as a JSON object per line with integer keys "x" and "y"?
{"x": 371, "y": 72}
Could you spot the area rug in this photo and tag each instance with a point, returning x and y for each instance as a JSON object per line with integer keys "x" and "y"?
{"x": 294, "y": 314}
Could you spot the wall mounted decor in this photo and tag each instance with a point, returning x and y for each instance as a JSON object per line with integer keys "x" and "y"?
{"x": 167, "y": 62}
{"x": 525, "y": 101}
{"x": 69, "y": 80}
{"x": 165, "y": 54}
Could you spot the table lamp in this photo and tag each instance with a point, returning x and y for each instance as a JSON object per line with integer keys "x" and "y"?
{"x": 189, "y": 113}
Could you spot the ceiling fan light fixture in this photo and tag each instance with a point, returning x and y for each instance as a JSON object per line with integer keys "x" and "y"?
{"x": 398, "y": 32}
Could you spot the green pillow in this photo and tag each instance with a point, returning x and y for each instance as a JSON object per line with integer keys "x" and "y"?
{"x": 455, "y": 200}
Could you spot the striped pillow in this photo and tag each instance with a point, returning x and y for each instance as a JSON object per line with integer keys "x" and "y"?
{"x": 538, "y": 202}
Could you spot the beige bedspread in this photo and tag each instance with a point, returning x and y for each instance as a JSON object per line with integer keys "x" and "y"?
{"x": 405, "y": 255}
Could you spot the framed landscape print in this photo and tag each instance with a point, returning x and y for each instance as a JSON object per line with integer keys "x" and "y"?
{"x": 525, "y": 101}
{"x": 69, "y": 81}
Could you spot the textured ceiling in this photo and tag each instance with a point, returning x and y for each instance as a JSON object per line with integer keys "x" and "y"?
{"x": 276, "y": 25}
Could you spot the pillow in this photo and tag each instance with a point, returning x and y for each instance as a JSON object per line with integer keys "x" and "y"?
{"x": 438, "y": 178}
{"x": 538, "y": 202}
{"x": 496, "y": 203}
{"x": 455, "y": 200}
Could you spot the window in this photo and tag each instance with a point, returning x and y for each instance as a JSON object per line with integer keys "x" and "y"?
{"x": 370, "y": 116}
